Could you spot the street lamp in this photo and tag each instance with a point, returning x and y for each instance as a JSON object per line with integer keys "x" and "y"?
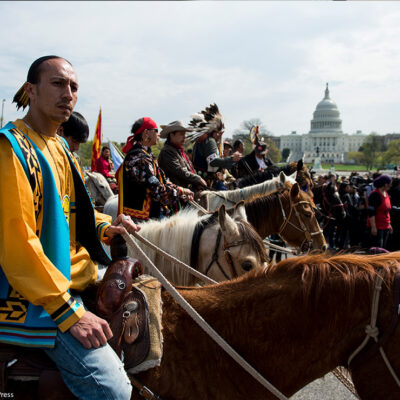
{"x": 2, "y": 113}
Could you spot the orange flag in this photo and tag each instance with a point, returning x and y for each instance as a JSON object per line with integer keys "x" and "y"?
{"x": 96, "y": 143}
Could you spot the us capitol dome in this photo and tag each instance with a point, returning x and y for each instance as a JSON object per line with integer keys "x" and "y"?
{"x": 326, "y": 117}
{"x": 325, "y": 138}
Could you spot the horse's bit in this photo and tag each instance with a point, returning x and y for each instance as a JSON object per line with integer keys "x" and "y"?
{"x": 286, "y": 221}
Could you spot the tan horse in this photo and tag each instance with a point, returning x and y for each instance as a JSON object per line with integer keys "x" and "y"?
{"x": 294, "y": 323}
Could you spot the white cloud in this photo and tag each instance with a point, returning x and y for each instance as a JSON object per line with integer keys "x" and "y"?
{"x": 167, "y": 60}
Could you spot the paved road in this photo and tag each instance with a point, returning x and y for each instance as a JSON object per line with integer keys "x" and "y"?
{"x": 326, "y": 388}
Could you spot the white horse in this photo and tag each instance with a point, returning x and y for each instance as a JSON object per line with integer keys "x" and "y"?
{"x": 98, "y": 188}
{"x": 219, "y": 246}
{"x": 211, "y": 200}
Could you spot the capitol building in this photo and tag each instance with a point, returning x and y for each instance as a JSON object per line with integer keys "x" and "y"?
{"x": 325, "y": 138}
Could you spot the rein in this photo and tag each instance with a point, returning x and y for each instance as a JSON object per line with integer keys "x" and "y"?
{"x": 286, "y": 222}
{"x": 372, "y": 331}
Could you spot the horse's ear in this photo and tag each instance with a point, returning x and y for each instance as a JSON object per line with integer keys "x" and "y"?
{"x": 299, "y": 165}
{"x": 282, "y": 177}
{"x": 240, "y": 211}
{"x": 226, "y": 222}
{"x": 222, "y": 216}
{"x": 294, "y": 191}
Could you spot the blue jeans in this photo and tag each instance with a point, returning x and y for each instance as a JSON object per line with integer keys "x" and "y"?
{"x": 90, "y": 374}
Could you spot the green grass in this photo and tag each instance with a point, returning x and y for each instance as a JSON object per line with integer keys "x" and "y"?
{"x": 344, "y": 167}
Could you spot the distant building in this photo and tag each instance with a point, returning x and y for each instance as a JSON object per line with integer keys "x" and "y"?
{"x": 325, "y": 137}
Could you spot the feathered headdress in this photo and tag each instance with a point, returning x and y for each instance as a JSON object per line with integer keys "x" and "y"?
{"x": 205, "y": 122}
{"x": 21, "y": 98}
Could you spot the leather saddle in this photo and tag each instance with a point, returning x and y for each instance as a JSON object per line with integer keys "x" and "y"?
{"x": 124, "y": 307}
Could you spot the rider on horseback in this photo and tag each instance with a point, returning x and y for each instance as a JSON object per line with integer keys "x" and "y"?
{"x": 174, "y": 161}
{"x": 208, "y": 129}
{"x": 49, "y": 235}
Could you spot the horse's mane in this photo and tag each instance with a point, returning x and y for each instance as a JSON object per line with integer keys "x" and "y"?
{"x": 249, "y": 234}
{"x": 266, "y": 202}
{"x": 174, "y": 235}
{"x": 317, "y": 270}
{"x": 235, "y": 195}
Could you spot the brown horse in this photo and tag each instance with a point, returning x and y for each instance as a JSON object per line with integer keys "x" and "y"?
{"x": 290, "y": 213}
{"x": 294, "y": 322}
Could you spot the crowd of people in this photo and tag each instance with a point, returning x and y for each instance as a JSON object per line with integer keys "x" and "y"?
{"x": 371, "y": 203}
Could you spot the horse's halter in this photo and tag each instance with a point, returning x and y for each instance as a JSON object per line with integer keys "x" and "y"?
{"x": 227, "y": 254}
{"x": 359, "y": 356}
{"x": 307, "y": 242}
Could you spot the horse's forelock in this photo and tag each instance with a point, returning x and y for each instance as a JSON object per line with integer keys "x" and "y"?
{"x": 249, "y": 234}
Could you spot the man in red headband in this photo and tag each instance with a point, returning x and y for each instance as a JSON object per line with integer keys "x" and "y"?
{"x": 144, "y": 191}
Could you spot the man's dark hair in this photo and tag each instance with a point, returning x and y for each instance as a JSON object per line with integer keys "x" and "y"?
{"x": 35, "y": 68}
{"x": 135, "y": 127}
{"x": 76, "y": 127}
{"x": 104, "y": 148}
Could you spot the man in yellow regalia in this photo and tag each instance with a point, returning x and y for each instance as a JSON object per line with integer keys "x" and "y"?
{"x": 50, "y": 240}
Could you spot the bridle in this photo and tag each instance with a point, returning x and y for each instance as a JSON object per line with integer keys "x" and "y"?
{"x": 227, "y": 254}
{"x": 307, "y": 242}
{"x": 357, "y": 358}
{"x": 201, "y": 225}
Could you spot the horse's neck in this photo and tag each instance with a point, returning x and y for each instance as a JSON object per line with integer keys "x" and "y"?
{"x": 267, "y": 321}
{"x": 173, "y": 236}
{"x": 264, "y": 218}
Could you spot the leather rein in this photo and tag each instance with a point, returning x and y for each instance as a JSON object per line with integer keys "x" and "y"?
{"x": 361, "y": 355}
{"x": 286, "y": 222}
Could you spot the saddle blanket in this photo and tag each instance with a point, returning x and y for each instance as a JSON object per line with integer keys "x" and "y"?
{"x": 151, "y": 287}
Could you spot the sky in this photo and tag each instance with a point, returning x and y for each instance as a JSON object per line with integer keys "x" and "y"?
{"x": 168, "y": 60}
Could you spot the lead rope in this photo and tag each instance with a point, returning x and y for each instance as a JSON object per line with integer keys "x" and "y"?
{"x": 198, "y": 319}
{"x": 198, "y": 206}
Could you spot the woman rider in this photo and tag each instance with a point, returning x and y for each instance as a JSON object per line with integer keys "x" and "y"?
{"x": 144, "y": 191}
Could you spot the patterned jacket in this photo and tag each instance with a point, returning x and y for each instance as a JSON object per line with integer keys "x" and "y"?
{"x": 144, "y": 191}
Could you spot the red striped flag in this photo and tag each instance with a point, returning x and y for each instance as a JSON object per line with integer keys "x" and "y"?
{"x": 96, "y": 143}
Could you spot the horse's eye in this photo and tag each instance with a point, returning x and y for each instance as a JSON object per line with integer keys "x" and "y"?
{"x": 247, "y": 265}
{"x": 308, "y": 214}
